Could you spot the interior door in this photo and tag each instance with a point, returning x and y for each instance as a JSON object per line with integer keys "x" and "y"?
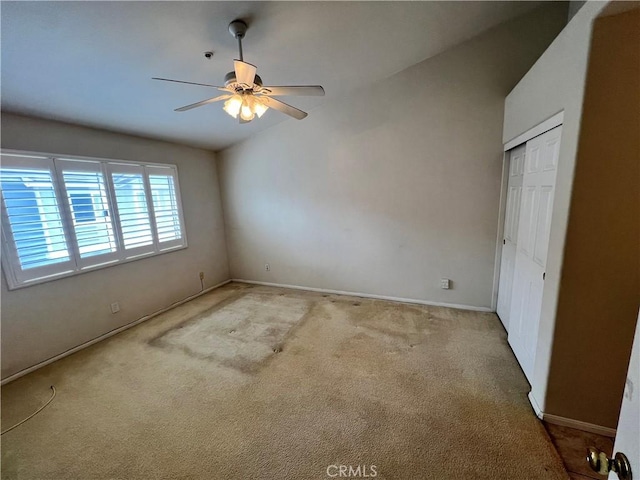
{"x": 510, "y": 235}
{"x": 538, "y": 184}
{"x": 628, "y": 432}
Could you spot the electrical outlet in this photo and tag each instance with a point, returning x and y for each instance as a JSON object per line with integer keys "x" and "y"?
{"x": 445, "y": 283}
{"x": 267, "y": 267}
{"x": 115, "y": 307}
{"x": 201, "y": 275}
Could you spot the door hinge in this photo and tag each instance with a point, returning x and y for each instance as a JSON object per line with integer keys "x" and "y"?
{"x": 544, "y": 274}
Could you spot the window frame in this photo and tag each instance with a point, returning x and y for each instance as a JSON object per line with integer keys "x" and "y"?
{"x": 17, "y": 278}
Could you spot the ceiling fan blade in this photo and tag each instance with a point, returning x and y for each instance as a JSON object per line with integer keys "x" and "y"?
{"x": 188, "y": 83}
{"x": 203, "y": 102}
{"x": 245, "y": 72}
{"x": 307, "y": 90}
{"x": 283, "y": 107}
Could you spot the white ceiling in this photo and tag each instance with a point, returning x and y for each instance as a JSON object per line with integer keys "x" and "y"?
{"x": 91, "y": 63}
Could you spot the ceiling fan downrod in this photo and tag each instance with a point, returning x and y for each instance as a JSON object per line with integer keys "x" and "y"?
{"x": 237, "y": 29}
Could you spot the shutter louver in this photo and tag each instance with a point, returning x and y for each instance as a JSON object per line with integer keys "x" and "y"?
{"x": 34, "y": 216}
{"x": 133, "y": 211}
{"x": 88, "y": 203}
{"x": 166, "y": 207}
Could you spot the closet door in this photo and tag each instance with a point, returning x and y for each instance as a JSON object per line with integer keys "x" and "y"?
{"x": 538, "y": 184}
{"x": 510, "y": 235}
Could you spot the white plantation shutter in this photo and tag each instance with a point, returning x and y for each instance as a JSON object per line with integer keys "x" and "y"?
{"x": 133, "y": 209}
{"x": 61, "y": 216}
{"x": 88, "y": 207}
{"x": 163, "y": 182}
{"x": 34, "y": 232}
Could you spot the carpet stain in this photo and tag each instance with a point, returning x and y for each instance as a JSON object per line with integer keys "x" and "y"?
{"x": 241, "y": 334}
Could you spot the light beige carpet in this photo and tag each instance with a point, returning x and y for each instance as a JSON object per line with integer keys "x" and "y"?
{"x": 265, "y": 383}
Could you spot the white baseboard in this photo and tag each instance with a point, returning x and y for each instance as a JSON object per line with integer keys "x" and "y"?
{"x": 104, "y": 336}
{"x": 569, "y": 422}
{"x": 536, "y": 407}
{"x": 366, "y": 295}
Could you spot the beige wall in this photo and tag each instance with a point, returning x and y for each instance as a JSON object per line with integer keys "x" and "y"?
{"x": 600, "y": 281}
{"x": 44, "y": 320}
{"x": 391, "y": 187}
{"x": 557, "y": 83}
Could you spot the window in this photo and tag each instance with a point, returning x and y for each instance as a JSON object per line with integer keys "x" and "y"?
{"x": 62, "y": 216}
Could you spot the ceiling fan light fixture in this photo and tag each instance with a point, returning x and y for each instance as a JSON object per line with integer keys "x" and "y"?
{"x": 246, "y": 105}
{"x": 259, "y": 108}
{"x": 233, "y": 106}
{"x": 246, "y": 111}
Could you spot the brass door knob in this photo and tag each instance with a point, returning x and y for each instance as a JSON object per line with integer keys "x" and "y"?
{"x": 600, "y": 463}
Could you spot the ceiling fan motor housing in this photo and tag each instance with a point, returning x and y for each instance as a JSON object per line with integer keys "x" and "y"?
{"x": 230, "y": 81}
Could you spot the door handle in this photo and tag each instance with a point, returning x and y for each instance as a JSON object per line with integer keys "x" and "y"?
{"x": 600, "y": 463}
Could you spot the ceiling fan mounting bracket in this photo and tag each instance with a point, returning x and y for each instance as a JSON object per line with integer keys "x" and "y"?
{"x": 238, "y": 28}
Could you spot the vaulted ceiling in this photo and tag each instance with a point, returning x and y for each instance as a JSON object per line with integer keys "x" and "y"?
{"x": 91, "y": 63}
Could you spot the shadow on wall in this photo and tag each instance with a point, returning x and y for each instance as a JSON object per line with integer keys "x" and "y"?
{"x": 598, "y": 297}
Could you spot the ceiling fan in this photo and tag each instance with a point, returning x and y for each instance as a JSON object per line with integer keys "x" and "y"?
{"x": 245, "y": 95}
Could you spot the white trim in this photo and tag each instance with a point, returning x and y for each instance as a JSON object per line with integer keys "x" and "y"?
{"x": 366, "y": 295}
{"x": 104, "y": 336}
{"x": 64, "y": 156}
{"x": 539, "y": 129}
{"x": 534, "y": 404}
{"x": 497, "y": 261}
{"x": 569, "y": 422}
{"x": 578, "y": 425}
